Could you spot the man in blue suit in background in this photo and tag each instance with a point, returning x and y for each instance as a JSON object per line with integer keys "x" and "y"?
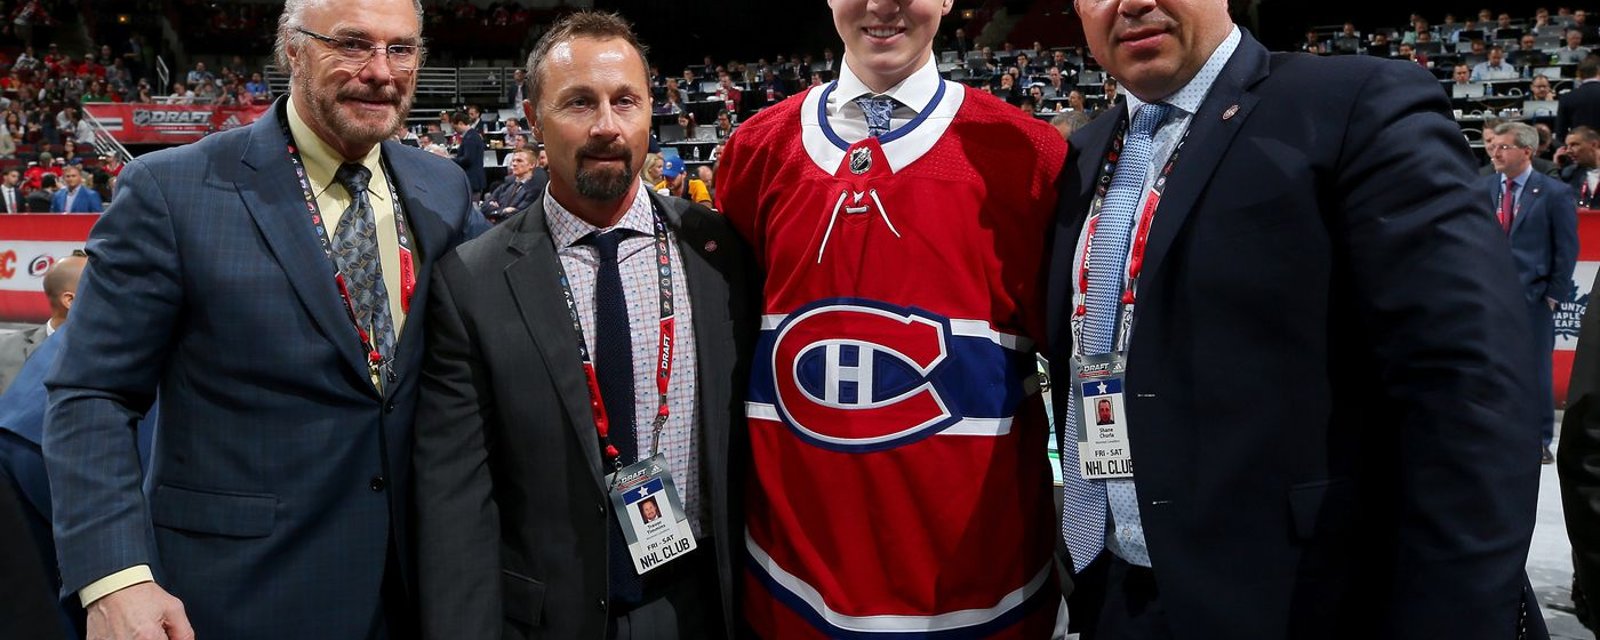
{"x": 1541, "y": 216}
{"x": 263, "y": 279}
{"x": 76, "y": 197}
{"x": 469, "y": 154}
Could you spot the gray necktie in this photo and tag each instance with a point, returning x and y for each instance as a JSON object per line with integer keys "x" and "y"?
{"x": 355, "y": 247}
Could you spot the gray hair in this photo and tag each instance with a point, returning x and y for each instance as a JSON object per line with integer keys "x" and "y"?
{"x": 1527, "y": 137}
{"x": 293, "y": 18}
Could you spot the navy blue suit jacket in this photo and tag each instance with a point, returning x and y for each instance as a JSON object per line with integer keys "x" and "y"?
{"x": 22, "y": 408}
{"x": 470, "y": 158}
{"x": 1544, "y": 234}
{"x": 281, "y": 473}
{"x": 1324, "y": 386}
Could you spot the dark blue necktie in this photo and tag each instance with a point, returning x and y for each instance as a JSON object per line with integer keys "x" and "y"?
{"x": 613, "y": 369}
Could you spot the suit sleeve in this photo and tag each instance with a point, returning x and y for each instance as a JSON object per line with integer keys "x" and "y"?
{"x": 105, "y": 380}
{"x": 1563, "y": 117}
{"x": 1564, "y": 229}
{"x": 458, "y": 523}
{"x": 1442, "y": 310}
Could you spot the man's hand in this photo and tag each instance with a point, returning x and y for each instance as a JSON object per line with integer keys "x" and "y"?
{"x": 143, "y": 611}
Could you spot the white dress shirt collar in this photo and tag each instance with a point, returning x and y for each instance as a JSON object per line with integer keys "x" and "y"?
{"x": 567, "y": 228}
{"x": 915, "y": 91}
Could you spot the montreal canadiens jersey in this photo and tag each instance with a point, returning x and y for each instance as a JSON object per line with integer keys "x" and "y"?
{"x": 900, "y": 477}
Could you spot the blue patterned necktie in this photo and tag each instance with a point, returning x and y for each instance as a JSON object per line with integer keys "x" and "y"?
{"x": 877, "y": 110}
{"x": 1084, "y": 516}
{"x": 355, "y": 248}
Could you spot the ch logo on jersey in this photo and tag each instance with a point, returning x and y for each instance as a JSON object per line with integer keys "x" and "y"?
{"x": 858, "y": 375}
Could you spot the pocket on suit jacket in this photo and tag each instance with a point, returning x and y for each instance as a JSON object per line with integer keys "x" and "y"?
{"x": 1321, "y": 507}
{"x": 232, "y": 514}
{"x": 522, "y": 598}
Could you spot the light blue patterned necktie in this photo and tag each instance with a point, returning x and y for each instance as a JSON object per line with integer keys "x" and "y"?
{"x": 877, "y": 109}
{"x": 1084, "y": 516}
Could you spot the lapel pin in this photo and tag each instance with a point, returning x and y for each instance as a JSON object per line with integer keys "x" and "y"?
{"x": 1232, "y": 111}
{"x": 711, "y": 246}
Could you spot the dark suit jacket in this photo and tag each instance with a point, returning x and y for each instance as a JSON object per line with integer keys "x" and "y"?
{"x": 37, "y": 201}
{"x": 281, "y": 473}
{"x": 1579, "y": 107}
{"x": 512, "y": 524}
{"x": 27, "y": 609}
{"x": 1574, "y": 176}
{"x": 1544, "y": 235}
{"x": 1578, "y": 460}
{"x": 15, "y": 349}
{"x": 469, "y": 156}
{"x": 510, "y": 195}
{"x": 1324, "y": 384}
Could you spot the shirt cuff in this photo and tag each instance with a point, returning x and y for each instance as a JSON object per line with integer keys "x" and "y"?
{"x": 137, "y": 574}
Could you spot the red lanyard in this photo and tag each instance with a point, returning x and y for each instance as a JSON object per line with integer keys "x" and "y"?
{"x": 1135, "y": 264}
{"x": 664, "y": 344}
{"x": 408, "y": 276}
{"x": 1509, "y": 197}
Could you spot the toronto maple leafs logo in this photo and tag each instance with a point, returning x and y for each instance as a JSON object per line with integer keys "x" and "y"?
{"x": 1568, "y": 317}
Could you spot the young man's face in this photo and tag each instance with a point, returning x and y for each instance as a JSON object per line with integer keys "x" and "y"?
{"x": 885, "y": 41}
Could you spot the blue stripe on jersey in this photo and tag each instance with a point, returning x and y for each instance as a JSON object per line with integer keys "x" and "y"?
{"x": 903, "y": 131}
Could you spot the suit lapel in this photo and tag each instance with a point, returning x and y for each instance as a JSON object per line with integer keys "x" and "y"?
{"x": 712, "y": 334}
{"x": 1531, "y": 193}
{"x": 31, "y": 341}
{"x": 271, "y": 192}
{"x": 1087, "y": 152}
{"x": 531, "y": 274}
{"x": 429, "y": 237}
{"x": 1211, "y": 132}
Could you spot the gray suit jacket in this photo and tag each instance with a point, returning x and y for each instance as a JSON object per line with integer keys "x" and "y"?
{"x": 512, "y": 511}
{"x": 15, "y": 348}
{"x": 281, "y": 473}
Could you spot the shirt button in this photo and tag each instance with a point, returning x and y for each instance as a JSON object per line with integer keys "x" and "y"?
{"x": 602, "y": 604}
{"x": 601, "y": 507}
{"x": 388, "y": 407}
{"x": 376, "y": 484}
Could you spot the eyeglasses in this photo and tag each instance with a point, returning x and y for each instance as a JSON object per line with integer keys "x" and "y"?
{"x": 1497, "y": 148}
{"x": 357, "y": 52}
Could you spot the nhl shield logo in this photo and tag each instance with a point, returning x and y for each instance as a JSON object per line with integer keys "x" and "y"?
{"x": 860, "y": 160}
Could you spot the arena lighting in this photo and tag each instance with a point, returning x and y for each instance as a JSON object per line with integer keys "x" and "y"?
{"x": 967, "y": 14}
{"x": 123, "y": 18}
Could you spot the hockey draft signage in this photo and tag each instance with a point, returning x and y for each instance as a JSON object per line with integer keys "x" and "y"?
{"x": 170, "y": 123}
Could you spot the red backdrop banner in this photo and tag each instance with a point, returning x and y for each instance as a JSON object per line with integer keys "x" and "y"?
{"x": 169, "y": 123}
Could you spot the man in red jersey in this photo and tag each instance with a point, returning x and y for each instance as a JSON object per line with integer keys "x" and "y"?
{"x": 900, "y": 484}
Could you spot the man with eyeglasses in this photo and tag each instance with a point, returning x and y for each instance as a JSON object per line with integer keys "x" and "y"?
{"x": 264, "y": 281}
{"x": 1539, "y": 214}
